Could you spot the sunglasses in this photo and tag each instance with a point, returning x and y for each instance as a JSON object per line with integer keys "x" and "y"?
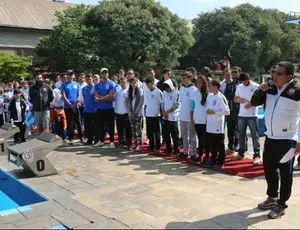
{"x": 279, "y": 73}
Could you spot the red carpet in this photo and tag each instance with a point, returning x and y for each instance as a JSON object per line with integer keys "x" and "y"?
{"x": 242, "y": 168}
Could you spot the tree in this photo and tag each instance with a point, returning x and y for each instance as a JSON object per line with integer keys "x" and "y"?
{"x": 115, "y": 34}
{"x": 251, "y": 37}
{"x": 13, "y": 67}
{"x": 70, "y": 45}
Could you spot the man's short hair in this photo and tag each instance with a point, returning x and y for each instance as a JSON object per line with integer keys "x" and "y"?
{"x": 150, "y": 70}
{"x": 215, "y": 83}
{"x": 244, "y": 76}
{"x": 149, "y": 80}
{"x": 166, "y": 70}
{"x": 289, "y": 67}
{"x": 192, "y": 70}
{"x": 237, "y": 68}
{"x": 17, "y": 91}
{"x": 187, "y": 74}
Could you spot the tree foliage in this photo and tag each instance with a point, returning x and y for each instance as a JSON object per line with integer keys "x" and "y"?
{"x": 13, "y": 67}
{"x": 69, "y": 45}
{"x": 251, "y": 37}
{"x": 116, "y": 33}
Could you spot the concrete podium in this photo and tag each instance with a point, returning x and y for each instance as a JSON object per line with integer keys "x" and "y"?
{"x": 32, "y": 155}
{"x": 6, "y": 131}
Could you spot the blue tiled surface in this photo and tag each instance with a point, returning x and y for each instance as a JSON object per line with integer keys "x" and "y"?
{"x": 14, "y": 194}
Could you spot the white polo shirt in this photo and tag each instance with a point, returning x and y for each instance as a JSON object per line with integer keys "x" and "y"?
{"x": 215, "y": 122}
{"x": 198, "y": 109}
{"x": 119, "y": 97}
{"x": 246, "y": 92}
{"x": 185, "y": 94}
{"x": 154, "y": 102}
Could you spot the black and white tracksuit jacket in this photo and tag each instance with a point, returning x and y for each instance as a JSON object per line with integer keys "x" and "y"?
{"x": 282, "y": 111}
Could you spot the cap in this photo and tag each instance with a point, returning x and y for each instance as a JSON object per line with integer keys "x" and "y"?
{"x": 103, "y": 70}
{"x": 69, "y": 72}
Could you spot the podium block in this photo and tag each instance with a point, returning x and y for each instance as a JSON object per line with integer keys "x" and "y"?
{"x": 6, "y": 131}
{"x": 32, "y": 155}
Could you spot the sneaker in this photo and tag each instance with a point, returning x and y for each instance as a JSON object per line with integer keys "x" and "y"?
{"x": 66, "y": 141}
{"x": 150, "y": 149}
{"x": 256, "y": 161}
{"x": 193, "y": 159}
{"x": 157, "y": 151}
{"x": 207, "y": 163}
{"x": 71, "y": 142}
{"x": 99, "y": 144}
{"x": 237, "y": 158}
{"x": 218, "y": 167}
{"x": 138, "y": 148}
{"x": 106, "y": 136}
{"x": 276, "y": 212}
{"x": 112, "y": 145}
{"x": 268, "y": 204}
{"x": 297, "y": 167}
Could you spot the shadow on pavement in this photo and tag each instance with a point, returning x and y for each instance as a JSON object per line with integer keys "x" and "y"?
{"x": 154, "y": 165}
{"x": 235, "y": 220}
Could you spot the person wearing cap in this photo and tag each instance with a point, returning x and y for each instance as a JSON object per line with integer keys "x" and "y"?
{"x": 247, "y": 117}
{"x": 17, "y": 109}
{"x": 104, "y": 95}
{"x": 70, "y": 95}
{"x": 40, "y": 96}
{"x": 282, "y": 112}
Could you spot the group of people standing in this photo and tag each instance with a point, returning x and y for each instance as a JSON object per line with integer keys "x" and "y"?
{"x": 191, "y": 114}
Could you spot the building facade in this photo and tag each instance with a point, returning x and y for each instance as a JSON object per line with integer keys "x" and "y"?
{"x": 23, "y": 22}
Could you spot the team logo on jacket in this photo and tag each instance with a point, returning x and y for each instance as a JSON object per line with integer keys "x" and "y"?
{"x": 75, "y": 87}
{"x": 44, "y": 89}
{"x": 170, "y": 98}
{"x": 187, "y": 94}
{"x": 252, "y": 90}
{"x": 214, "y": 102}
{"x": 152, "y": 96}
{"x": 291, "y": 91}
{"x": 107, "y": 87}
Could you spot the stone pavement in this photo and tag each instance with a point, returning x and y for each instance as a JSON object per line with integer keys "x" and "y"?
{"x": 113, "y": 189}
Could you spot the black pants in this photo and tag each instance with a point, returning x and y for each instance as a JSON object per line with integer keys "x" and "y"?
{"x": 1, "y": 119}
{"x": 20, "y": 136}
{"x": 124, "y": 129}
{"x": 217, "y": 148}
{"x": 153, "y": 131}
{"x": 232, "y": 132}
{"x": 202, "y": 139}
{"x": 105, "y": 115}
{"x": 90, "y": 126}
{"x": 274, "y": 150}
{"x": 170, "y": 128}
{"x": 73, "y": 118}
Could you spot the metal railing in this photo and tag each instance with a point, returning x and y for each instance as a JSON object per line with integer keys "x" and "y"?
{"x": 293, "y": 15}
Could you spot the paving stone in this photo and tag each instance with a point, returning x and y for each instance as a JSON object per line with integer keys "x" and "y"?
{"x": 89, "y": 214}
{"x": 139, "y": 188}
{"x": 108, "y": 224}
{"x": 141, "y": 226}
{"x": 204, "y": 224}
{"x": 7, "y": 226}
{"x": 44, "y": 208}
{"x": 13, "y": 217}
{"x": 37, "y": 223}
{"x": 134, "y": 217}
{"x": 70, "y": 219}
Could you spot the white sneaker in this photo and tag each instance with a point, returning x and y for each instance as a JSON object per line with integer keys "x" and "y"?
{"x": 138, "y": 148}
{"x": 98, "y": 144}
{"x": 112, "y": 145}
{"x": 66, "y": 141}
{"x": 106, "y": 136}
{"x": 297, "y": 167}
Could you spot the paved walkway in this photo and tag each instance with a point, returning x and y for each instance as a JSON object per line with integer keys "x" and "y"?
{"x": 103, "y": 188}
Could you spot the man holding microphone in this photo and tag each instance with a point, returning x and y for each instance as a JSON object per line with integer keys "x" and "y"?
{"x": 282, "y": 111}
